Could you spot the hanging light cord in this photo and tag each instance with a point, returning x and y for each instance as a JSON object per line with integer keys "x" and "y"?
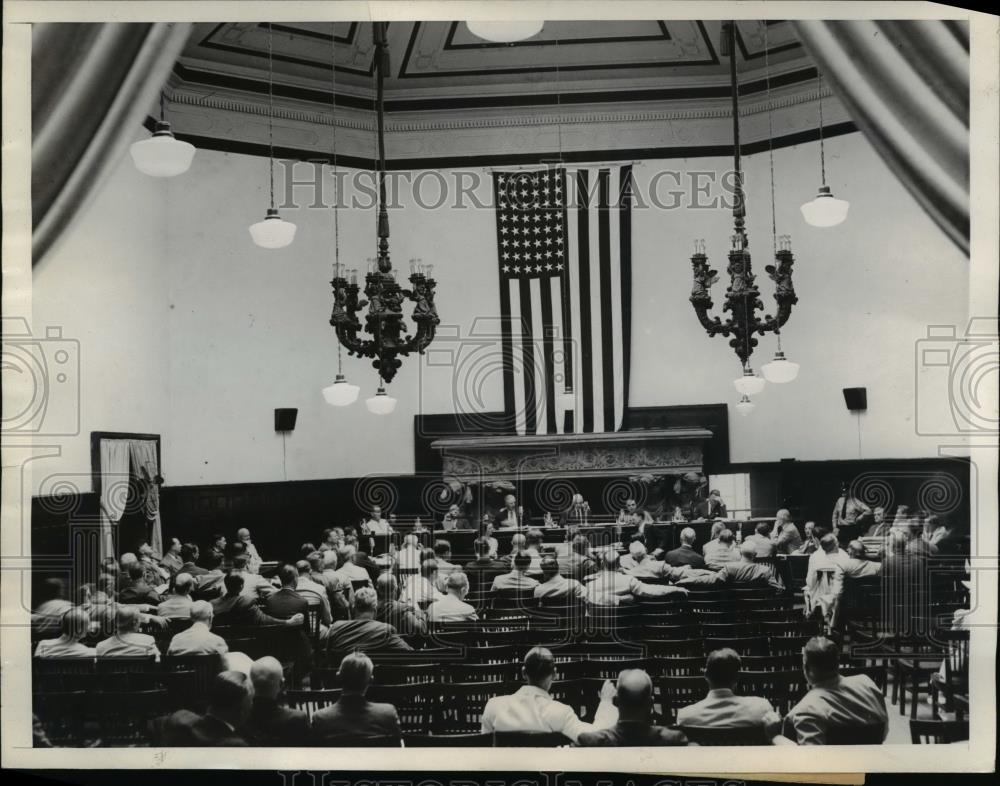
{"x": 270, "y": 105}
{"x": 161, "y": 107}
{"x": 558, "y": 106}
{"x": 770, "y": 152}
{"x": 822, "y": 155}
{"x": 336, "y": 179}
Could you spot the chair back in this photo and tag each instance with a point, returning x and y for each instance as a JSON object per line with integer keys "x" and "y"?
{"x": 63, "y": 674}
{"x": 311, "y": 701}
{"x": 677, "y": 692}
{"x": 939, "y": 732}
{"x": 62, "y": 715}
{"x": 123, "y": 674}
{"x": 124, "y": 717}
{"x": 195, "y": 673}
{"x": 744, "y": 645}
{"x": 405, "y": 673}
{"x": 529, "y": 739}
{"x": 725, "y": 736}
{"x": 415, "y": 704}
{"x": 462, "y": 704}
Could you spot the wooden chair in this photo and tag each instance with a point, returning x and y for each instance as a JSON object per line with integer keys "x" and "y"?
{"x": 938, "y": 732}
{"x": 783, "y": 645}
{"x": 681, "y": 666}
{"x": 123, "y": 718}
{"x": 785, "y": 662}
{"x": 782, "y": 688}
{"x": 727, "y": 630}
{"x": 673, "y": 693}
{"x": 461, "y": 706}
{"x": 124, "y": 674}
{"x": 406, "y": 673}
{"x": 51, "y": 675}
{"x": 311, "y": 700}
{"x": 529, "y": 739}
{"x": 679, "y": 647}
{"x": 743, "y": 645}
{"x": 188, "y": 678}
{"x": 918, "y": 660}
{"x": 726, "y": 736}
{"x": 415, "y": 704}
{"x": 669, "y": 632}
{"x": 581, "y": 693}
{"x": 955, "y": 681}
{"x": 62, "y": 715}
{"x": 481, "y": 672}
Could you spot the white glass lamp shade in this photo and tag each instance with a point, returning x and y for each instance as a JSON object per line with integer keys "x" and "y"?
{"x": 272, "y": 232}
{"x": 749, "y": 384}
{"x": 825, "y": 210}
{"x": 780, "y": 370}
{"x": 341, "y": 393}
{"x": 162, "y": 155}
{"x": 506, "y": 32}
{"x": 381, "y": 403}
{"x": 745, "y": 405}
{"x": 566, "y": 400}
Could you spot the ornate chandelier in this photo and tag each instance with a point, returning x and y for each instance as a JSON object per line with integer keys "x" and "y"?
{"x": 742, "y": 296}
{"x": 384, "y": 296}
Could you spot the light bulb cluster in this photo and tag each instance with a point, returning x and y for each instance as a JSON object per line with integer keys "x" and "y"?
{"x": 778, "y": 371}
{"x": 342, "y": 394}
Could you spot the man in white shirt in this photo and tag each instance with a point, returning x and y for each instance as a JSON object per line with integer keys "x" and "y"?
{"x": 421, "y": 588}
{"x": 408, "y": 557}
{"x": 348, "y": 570}
{"x": 445, "y": 567}
{"x": 127, "y": 642}
{"x": 518, "y": 578}
{"x": 608, "y": 587}
{"x": 254, "y": 562}
{"x": 452, "y": 607}
{"x": 532, "y": 708}
{"x": 198, "y": 639}
{"x": 375, "y": 524}
{"x": 313, "y": 592}
{"x": 177, "y": 605}
{"x": 856, "y": 566}
{"x": 555, "y": 586}
{"x": 824, "y": 578}
{"x": 74, "y": 625}
{"x": 254, "y": 585}
{"x": 511, "y": 515}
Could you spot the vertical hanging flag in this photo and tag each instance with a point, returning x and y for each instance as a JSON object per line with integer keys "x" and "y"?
{"x": 564, "y": 244}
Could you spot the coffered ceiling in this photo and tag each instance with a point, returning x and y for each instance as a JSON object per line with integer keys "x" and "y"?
{"x": 614, "y": 85}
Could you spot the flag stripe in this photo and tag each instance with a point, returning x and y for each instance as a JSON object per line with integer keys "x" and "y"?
{"x": 517, "y": 356}
{"x": 597, "y": 347}
{"x": 625, "y": 257}
{"x": 607, "y": 321}
{"x": 583, "y": 269}
{"x": 506, "y": 347}
{"x": 528, "y": 357}
{"x": 548, "y": 344}
{"x": 575, "y": 420}
{"x": 559, "y": 306}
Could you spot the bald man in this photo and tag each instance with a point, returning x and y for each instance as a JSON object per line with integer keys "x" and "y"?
{"x": 198, "y": 639}
{"x": 127, "y": 642}
{"x": 254, "y": 561}
{"x": 634, "y": 700}
{"x": 271, "y": 723}
{"x": 685, "y": 554}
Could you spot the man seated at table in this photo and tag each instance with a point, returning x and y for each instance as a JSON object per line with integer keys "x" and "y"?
{"x": 748, "y": 571}
{"x": 532, "y": 708}
{"x": 637, "y": 516}
{"x": 685, "y": 554}
{"x": 454, "y": 519}
{"x": 484, "y": 568}
{"x": 374, "y": 524}
{"x": 452, "y": 607}
{"x": 518, "y": 578}
{"x": 711, "y": 507}
{"x": 554, "y": 586}
{"x": 834, "y": 704}
{"x": 512, "y": 515}
{"x": 880, "y": 527}
{"x": 722, "y": 708}
{"x": 635, "y": 727}
{"x": 856, "y": 565}
{"x": 810, "y": 541}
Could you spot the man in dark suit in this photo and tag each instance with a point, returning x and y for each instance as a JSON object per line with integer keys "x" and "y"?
{"x": 634, "y": 699}
{"x": 685, "y": 554}
{"x": 285, "y": 604}
{"x": 235, "y": 608}
{"x": 352, "y": 716}
{"x": 483, "y": 569}
{"x": 271, "y": 723}
{"x": 407, "y": 619}
{"x": 138, "y": 591}
{"x": 229, "y": 703}
{"x": 218, "y": 548}
{"x": 364, "y": 632}
{"x": 189, "y": 555}
{"x": 711, "y": 508}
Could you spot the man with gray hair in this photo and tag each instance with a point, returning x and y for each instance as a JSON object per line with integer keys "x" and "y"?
{"x": 364, "y": 632}
{"x": 608, "y": 587}
{"x": 271, "y": 722}
{"x": 452, "y": 607}
{"x": 198, "y": 639}
{"x": 254, "y": 562}
{"x": 177, "y": 605}
{"x": 352, "y": 716}
{"x": 75, "y": 624}
{"x": 127, "y": 642}
{"x": 749, "y": 571}
{"x": 685, "y": 554}
{"x": 408, "y": 620}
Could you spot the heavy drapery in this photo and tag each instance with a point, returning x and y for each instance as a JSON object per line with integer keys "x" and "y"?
{"x": 143, "y": 454}
{"x": 91, "y": 87}
{"x": 906, "y": 85}
{"x": 115, "y": 454}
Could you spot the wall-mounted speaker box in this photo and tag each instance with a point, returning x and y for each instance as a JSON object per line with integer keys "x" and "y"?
{"x": 284, "y": 419}
{"x": 856, "y": 399}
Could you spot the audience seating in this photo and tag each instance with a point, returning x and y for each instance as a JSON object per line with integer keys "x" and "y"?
{"x": 673, "y": 693}
{"x": 938, "y": 731}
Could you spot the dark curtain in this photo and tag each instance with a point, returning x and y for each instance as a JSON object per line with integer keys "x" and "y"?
{"x": 91, "y": 86}
{"x": 906, "y": 85}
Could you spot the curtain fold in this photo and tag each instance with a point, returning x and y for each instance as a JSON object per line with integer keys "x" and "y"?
{"x": 143, "y": 454}
{"x": 115, "y": 454}
{"x": 906, "y": 85}
{"x": 91, "y": 87}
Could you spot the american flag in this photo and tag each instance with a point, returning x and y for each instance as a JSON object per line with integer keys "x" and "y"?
{"x": 564, "y": 251}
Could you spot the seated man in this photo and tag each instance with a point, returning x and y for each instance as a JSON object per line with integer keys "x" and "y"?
{"x": 52, "y": 604}
{"x": 255, "y": 586}
{"x": 533, "y": 540}
{"x": 349, "y": 571}
{"x": 608, "y": 587}
{"x": 271, "y": 723}
{"x": 634, "y": 700}
{"x": 857, "y": 565}
{"x": 217, "y": 549}
{"x": 484, "y": 568}
{"x": 880, "y": 527}
{"x": 138, "y": 591}
{"x": 512, "y": 515}
{"x": 761, "y": 539}
{"x": 254, "y": 560}
{"x": 722, "y": 708}
{"x": 364, "y": 632}
{"x": 445, "y": 567}
{"x": 198, "y": 639}
{"x": 787, "y": 539}
{"x": 315, "y": 594}
{"x": 748, "y": 571}
{"x": 408, "y": 557}
{"x": 636, "y": 555}
{"x": 191, "y": 557}
{"x": 518, "y": 578}
{"x": 452, "y": 607}
{"x": 75, "y": 624}
{"x": 177, "y": 604}
{"x": 352, "y": 715}
{"x": 454, "y": 519}
{"x": 576, "y": 562}
{"x": 209, "y": 585}
{"x": 407, "y": 619}
{"x": 172, "y": 560}
{"x": 532, "y": 708}
{"x": 554, "y": 586}
{"x": 229, "y": 703}
{"x": 721, "y": 549}
{"x": 685, "y": 554}
{"x": 834, "y": 703}
{"x": 334, "y": 590}
{"x": 421, "y": 589}
{"x": 809, "y": 540}
{"x": 235, "y": 608}
{"x": 824, "y": 578}
{"x": 127, "y": 642}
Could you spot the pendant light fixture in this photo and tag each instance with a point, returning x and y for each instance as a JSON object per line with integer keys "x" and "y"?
{"x": 273, "y": 231}
{"x": 825, "y": 210}
{"x": 780, "y": 370}
{"x": 341, "y": 393}
{"x": 745, "y": 405}
{"x": 381, "y": 403}
{"x": 162, "y": 155}
{"x": 749, "y": 384}
{"x": 506, "y": 32}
